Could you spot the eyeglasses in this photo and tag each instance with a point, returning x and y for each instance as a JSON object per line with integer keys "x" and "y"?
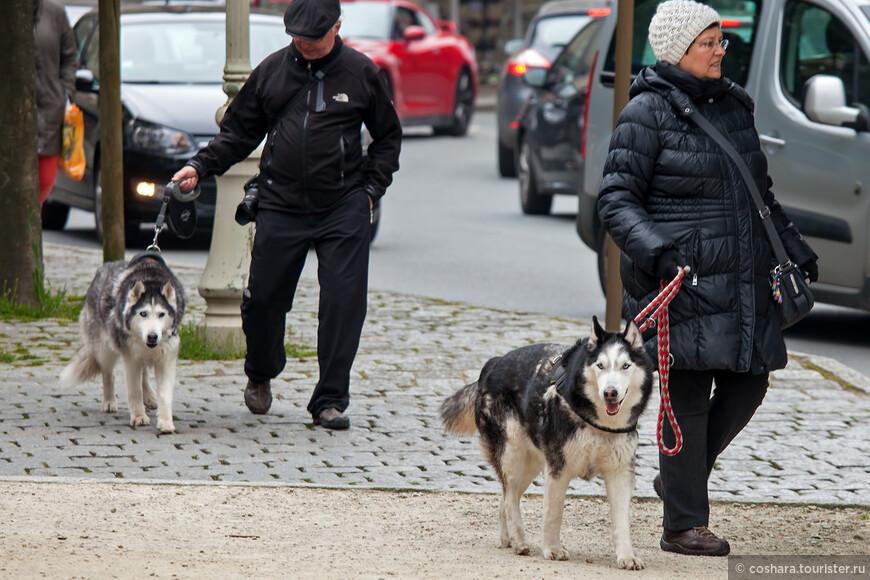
{"x": 710, "y": 44}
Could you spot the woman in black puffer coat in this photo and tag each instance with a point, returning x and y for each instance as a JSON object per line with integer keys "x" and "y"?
{"x": 672, "y": 197}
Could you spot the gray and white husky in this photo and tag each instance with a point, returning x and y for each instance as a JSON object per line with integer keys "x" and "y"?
{"x": 569, "y": 413}
{"x": 132, "y": 312}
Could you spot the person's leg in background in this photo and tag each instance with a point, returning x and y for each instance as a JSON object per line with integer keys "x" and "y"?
{"x": 47, "y": 175}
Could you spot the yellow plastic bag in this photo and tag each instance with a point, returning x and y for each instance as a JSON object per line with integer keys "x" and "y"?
{"x": 72, "y": 155}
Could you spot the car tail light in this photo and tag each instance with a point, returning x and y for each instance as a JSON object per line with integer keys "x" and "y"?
{"x": 729, "y": 23}
{"x": 599, "y": 12}
{"x": 526, "y": 59}
{"x": 586, "y": 106}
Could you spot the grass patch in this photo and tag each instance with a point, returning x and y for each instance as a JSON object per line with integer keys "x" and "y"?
{"x": 52, "y": 304}
{"x": 195, "y": 346}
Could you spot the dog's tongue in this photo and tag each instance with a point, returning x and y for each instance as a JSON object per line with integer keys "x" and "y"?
{"x": 612, "y": 408}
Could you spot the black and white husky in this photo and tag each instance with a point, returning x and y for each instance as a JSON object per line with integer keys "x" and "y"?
{"x": 132, "y": 312}
{"x": 569, "y": 413}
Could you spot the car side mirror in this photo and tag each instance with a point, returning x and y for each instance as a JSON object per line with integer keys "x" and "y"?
{"x": 513, "y": 45}
{"x": 447, "y": 26}
{"x": 825, "y": 102}
{"x": 86, "y": 82}
{"x": 414, "y": 32}
{"x": 536, "y": 77}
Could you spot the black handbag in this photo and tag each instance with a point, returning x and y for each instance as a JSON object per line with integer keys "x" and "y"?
{"x": 246, "y": 211}
{"x": 792, "y": 296}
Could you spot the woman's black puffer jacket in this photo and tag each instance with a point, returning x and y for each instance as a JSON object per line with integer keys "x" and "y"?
{"x": 668, "y": 186}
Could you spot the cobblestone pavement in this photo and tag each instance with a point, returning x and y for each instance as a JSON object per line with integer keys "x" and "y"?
{"x": 809, "y": 442}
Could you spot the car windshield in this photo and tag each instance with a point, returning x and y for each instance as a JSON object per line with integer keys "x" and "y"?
{"x": 187, "y": 52}
{"x": 557, "y": 30}
{"x": 366, "y": 20}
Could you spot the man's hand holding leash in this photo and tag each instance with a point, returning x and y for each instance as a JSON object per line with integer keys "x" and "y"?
{"x": 187, "y": 178}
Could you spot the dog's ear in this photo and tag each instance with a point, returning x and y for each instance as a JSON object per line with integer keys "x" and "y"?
{"x": 597, "y": 334}
{"x": 632, "y": 334}
{"x": 168, "y": 292}
{"x": 136, "y": 292}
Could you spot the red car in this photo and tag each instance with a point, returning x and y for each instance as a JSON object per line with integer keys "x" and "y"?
{"x": 432, "y": 70}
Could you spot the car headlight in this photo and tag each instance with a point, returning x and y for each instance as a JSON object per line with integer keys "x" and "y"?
{"x": 159, "y": 138}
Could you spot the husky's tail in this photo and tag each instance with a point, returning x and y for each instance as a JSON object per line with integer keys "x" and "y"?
{"x": 457, "y": 411}
{"x": 83, "y": 367}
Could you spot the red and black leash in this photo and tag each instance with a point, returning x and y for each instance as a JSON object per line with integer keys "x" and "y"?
{"x": 657, "y": 314}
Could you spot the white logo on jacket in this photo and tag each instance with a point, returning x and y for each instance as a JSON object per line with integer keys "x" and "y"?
{"x": 340, "y": 98}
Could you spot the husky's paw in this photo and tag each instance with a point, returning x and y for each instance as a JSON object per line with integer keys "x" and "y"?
{"x": 150, "y": 401}
{"x": 165, "y": 425}
{"x": 110, "y": 406}
{"x": 630, "y": 563}
{"x": 521, "y": 548}
{"x": 557, "y": 553}
{"x": 139, "y": 420}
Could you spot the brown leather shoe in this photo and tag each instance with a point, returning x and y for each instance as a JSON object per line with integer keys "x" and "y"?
{"x": 332, "y": 419}
{"x": 258, "y": 397}
{"x": 697, "y": 541}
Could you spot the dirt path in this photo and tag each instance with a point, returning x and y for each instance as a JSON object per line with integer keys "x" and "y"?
{"x": 99, "y": 530}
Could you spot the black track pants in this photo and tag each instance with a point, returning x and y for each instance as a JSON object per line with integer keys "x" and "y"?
{"x": 340, "y": 239}
{"x": 708, "y": 425}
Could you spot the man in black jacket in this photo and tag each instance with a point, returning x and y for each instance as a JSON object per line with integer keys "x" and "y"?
{"x": 314, "y": 191}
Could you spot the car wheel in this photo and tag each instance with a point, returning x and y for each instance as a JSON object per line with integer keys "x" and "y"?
{"x": 376, "y": 220}
{"x": 507, "y": 163}
{"x": 532, "y": 202}
{"x": 463, "y": 108}
{"x": 54, "y": 215}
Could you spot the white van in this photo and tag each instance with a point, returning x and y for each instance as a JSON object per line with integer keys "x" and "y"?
{"x": 805, "y": 62}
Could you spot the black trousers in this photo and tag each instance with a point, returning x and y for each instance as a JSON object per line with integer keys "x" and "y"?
{"x": 340, "y": 238}
{"x": 708, "y": 425}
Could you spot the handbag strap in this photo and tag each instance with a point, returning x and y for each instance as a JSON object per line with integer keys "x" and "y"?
{"x": 763, "y": 211}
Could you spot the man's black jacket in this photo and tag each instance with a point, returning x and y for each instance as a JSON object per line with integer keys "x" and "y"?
{"x": 313, "y": 156}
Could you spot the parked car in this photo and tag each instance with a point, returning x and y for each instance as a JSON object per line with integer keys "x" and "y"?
{"x": 432, "y": 70}
{"x": 552, "y": 27}
{"x": 549, "y": 137}
{"x": 806, "y": 66}
{"x": 172, "y": 60}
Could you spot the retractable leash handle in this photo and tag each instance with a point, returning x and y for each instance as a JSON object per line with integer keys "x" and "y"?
{"x": 172, "y": 190}
{"x": 656, "y": 314}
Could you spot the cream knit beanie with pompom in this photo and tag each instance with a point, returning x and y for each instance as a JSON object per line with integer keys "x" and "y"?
{"x": 676, "y": 24}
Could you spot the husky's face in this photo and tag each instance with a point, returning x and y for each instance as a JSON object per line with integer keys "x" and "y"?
{"x": 150, "y": 316}
{"x": 613, "y": 375}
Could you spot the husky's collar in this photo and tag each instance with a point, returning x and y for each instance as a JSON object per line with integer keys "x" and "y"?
{"x": 557, "y": 379}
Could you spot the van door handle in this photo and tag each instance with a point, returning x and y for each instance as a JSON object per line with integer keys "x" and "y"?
{"x": 768, "y": 140}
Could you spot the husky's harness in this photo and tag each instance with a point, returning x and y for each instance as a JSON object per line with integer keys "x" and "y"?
{"x": 557, "y": 379}
{"x": 657, "y": 314}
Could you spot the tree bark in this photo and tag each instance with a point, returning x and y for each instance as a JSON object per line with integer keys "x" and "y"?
{"x": 111, "y": 139}
{"x": 20, "y": 218}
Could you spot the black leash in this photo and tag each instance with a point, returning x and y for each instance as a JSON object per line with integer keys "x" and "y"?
{"x": 172, "y": 190}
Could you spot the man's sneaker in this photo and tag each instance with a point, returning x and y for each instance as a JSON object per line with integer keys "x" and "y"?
{"x": 258, "y": 397}
{"x": 332, "y": 419}
{"x": 697, "y": 541}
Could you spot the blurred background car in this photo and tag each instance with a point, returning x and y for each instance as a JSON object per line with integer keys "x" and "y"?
{"x": 432, "y": 70}
{"x": 172, "y": 60}
{"x": 550, "y": 132}
{"x": 552, "y": 27}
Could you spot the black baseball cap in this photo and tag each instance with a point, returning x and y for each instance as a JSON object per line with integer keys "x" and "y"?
{"x": 311, "y": 19}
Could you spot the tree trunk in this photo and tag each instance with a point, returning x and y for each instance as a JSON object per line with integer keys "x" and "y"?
{"x": 111, "y": 151}
{"x": 20, "y": 220}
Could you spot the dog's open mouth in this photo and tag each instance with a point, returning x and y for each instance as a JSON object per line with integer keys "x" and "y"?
{"x": 612, "y": 408}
